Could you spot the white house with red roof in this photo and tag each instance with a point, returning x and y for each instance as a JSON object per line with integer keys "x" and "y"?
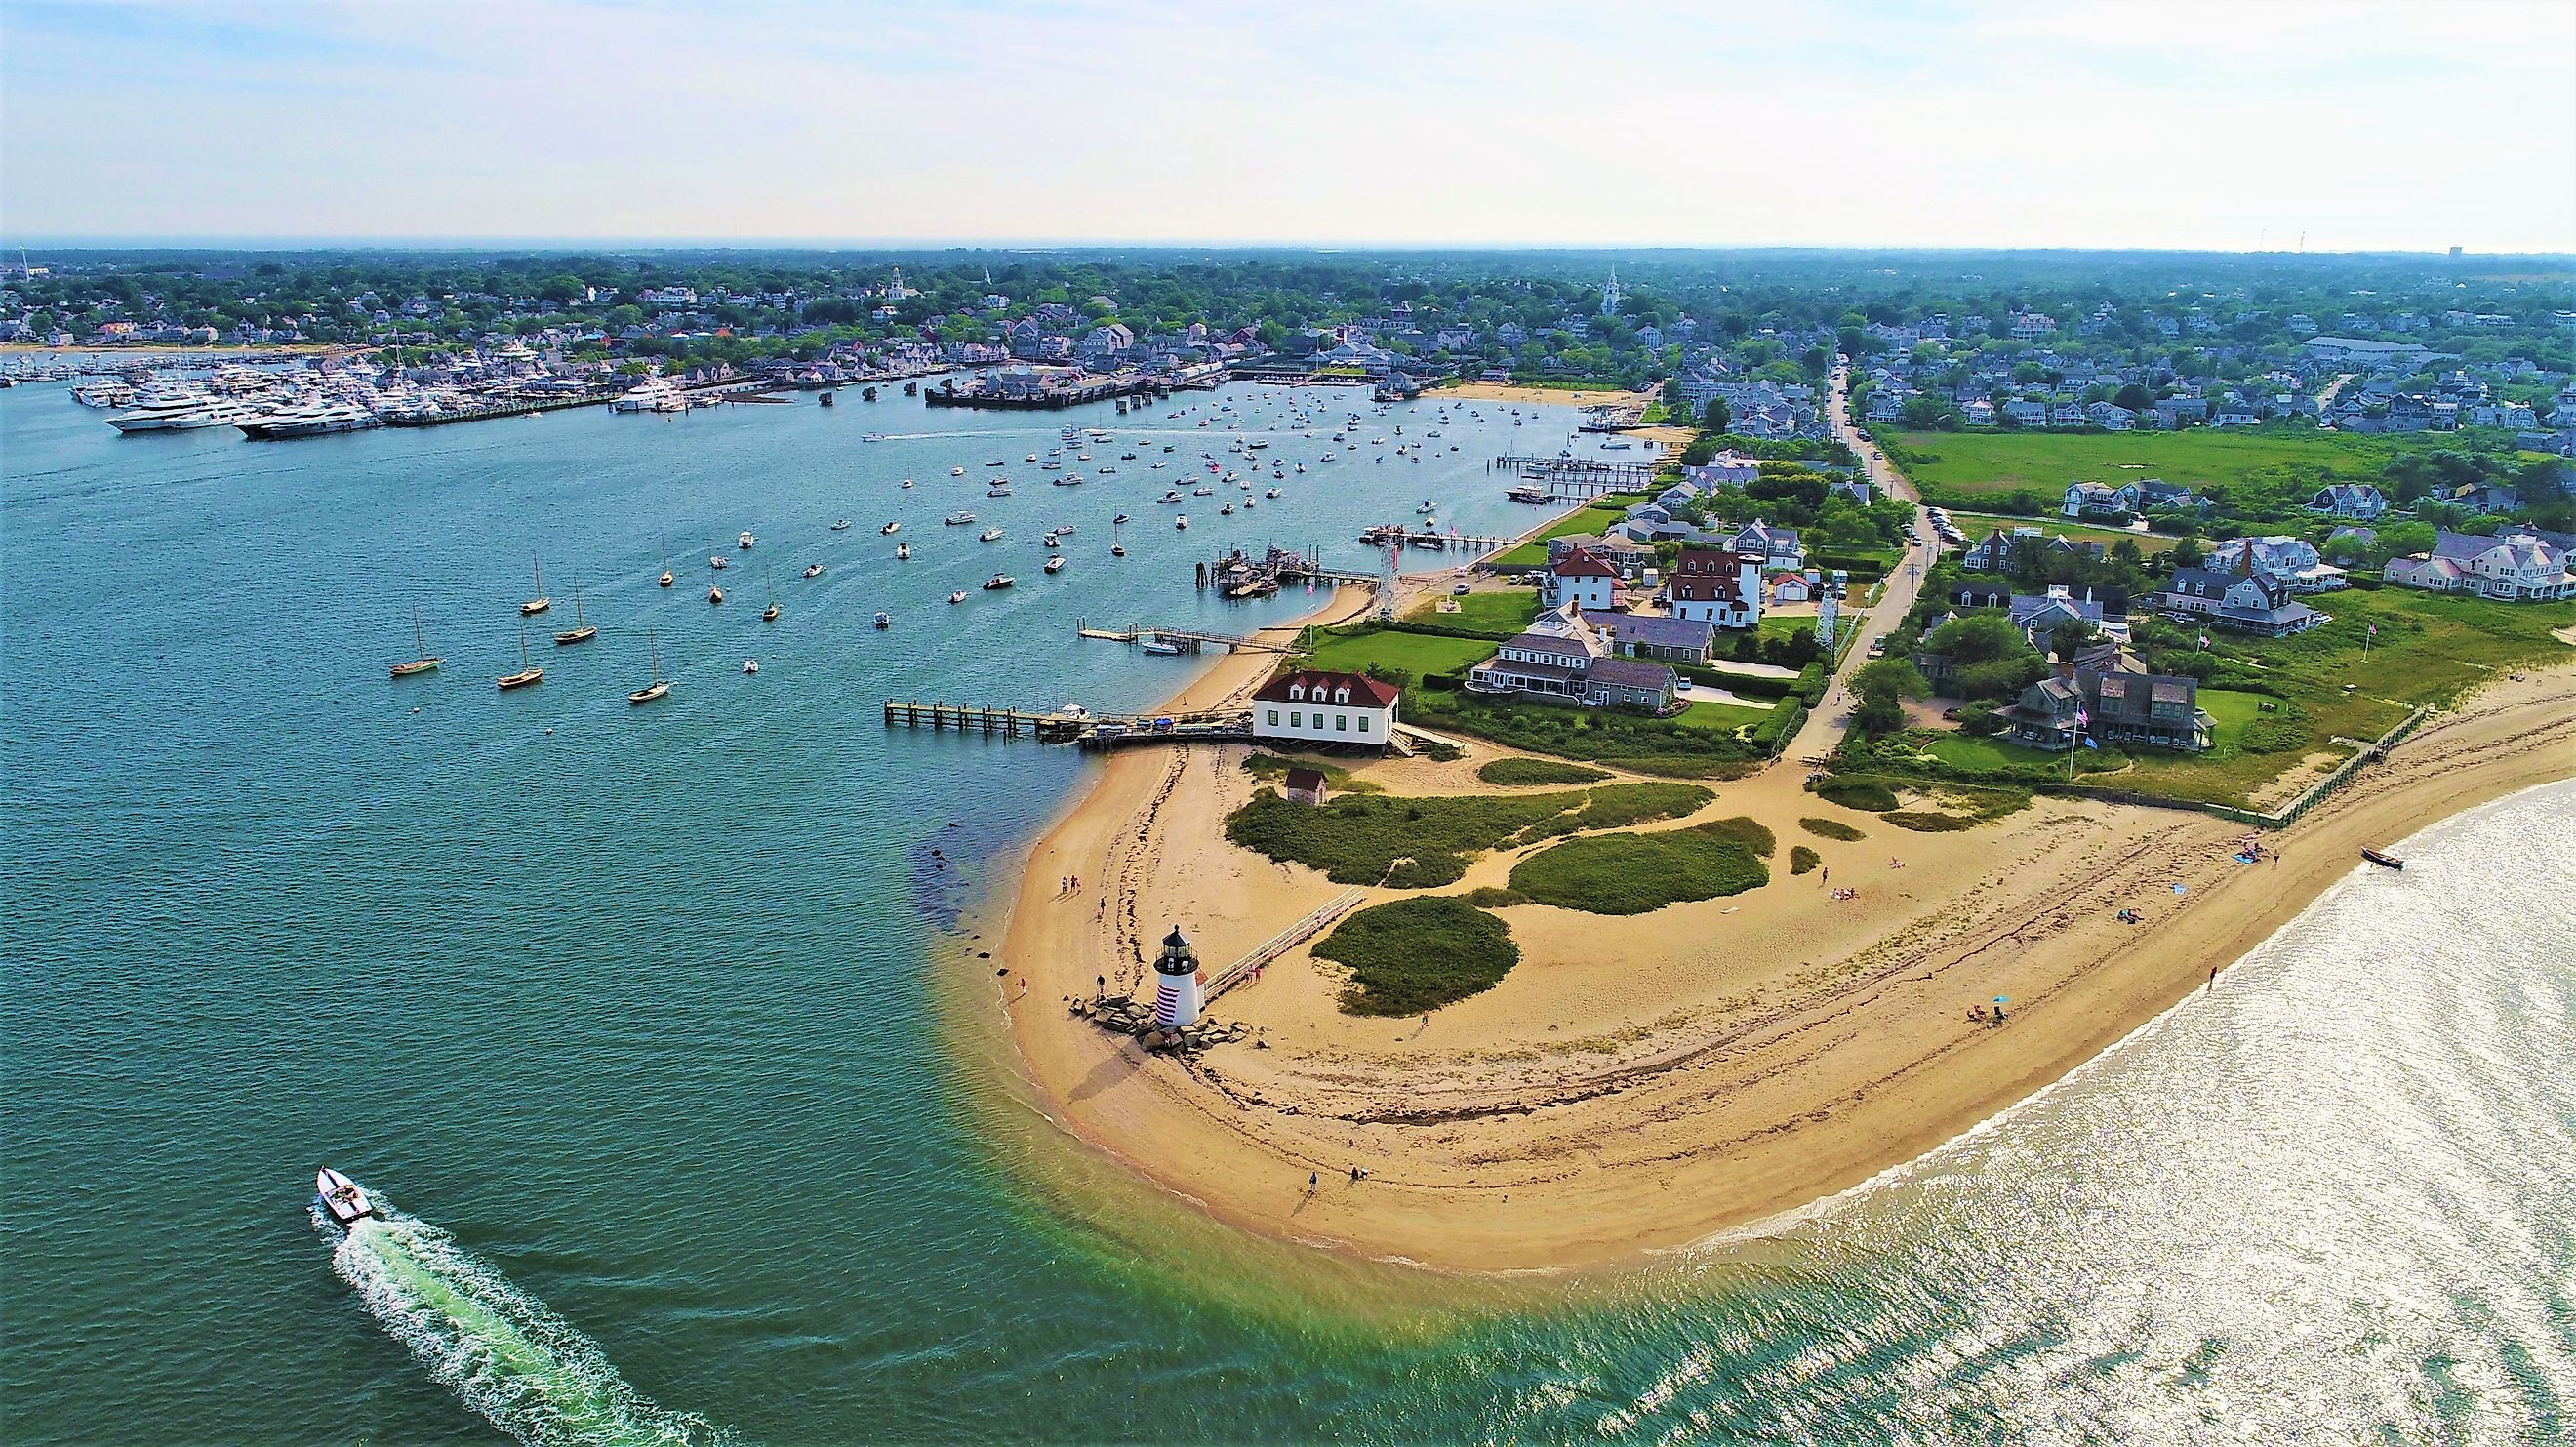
{"x": 1314, "y": 707}
{"x": 1581, "y": 579}
{"x": 1715, "y": 585}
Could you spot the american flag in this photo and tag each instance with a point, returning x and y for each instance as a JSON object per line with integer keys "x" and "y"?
{"x": 2374, "y": 630}
{"x": 2083, "y": 719}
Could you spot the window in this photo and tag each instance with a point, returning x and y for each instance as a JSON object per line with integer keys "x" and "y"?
{"x": 1364, "y": 723}
{"x": 1341, "y": 723}
{"x": 1274, "y": 718}
{"x": 1295, "y": 721}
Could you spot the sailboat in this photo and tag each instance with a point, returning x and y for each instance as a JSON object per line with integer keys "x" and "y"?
{"x": 660, "y": 685}
{"x": 539, "y": 603}
{"x": 581, "y": 632}
{"x": 770, "y": 613}
{"x": 528, "y": 672}
{"x": 666, "y": 579}
{"x": 421, "y": 661}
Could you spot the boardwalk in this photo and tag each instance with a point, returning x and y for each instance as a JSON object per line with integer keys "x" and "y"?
{"x": 1581, "y": 477}
{"x": 1284, "y": 941}
{"x": 1190, "y": 640}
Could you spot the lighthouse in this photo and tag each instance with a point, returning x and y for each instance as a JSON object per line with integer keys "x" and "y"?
{"x": 1176, "y": 984}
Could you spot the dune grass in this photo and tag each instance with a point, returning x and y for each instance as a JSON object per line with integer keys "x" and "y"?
{"x": 1419, "y": 843}
{"x": 1803, "y": 860}
{"x": 1638, "y": 873}
{"x": 1518, "y": 771}
{"x": 1412, "y": 955}
{"x": 1831, "y": 829}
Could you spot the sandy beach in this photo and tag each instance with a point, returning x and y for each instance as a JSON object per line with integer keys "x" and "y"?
{"x": 1640, "y": 1082}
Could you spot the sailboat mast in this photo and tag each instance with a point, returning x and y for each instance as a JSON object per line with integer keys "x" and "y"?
{"x": 420, "y": 645}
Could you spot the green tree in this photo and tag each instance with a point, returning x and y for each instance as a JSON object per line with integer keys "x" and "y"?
{"x": 1716, "y": 417}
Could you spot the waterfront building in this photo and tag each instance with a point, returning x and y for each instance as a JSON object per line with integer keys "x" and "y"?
{"x": 1314, "y": 706}
{"x": 2110, "y": 704}
{"x": 2245, "y": 602}
{"x": 2516, "y": 566}
{"x": 1715, "y": 585}
{"x": 1566, "y": 656}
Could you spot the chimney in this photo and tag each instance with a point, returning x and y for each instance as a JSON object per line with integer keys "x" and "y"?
{"x": 2065, "y": 665}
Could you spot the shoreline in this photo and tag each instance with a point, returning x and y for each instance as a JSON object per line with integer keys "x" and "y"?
{"x": 1753, "y": 1098}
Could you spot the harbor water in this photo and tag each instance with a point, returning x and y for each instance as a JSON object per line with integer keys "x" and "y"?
{"x": 664, "y": 1029}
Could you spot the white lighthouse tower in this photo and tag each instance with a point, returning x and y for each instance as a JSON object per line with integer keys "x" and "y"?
{"x": 1176, "y": 983}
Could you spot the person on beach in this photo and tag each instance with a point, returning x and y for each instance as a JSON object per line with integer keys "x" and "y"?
{"x": 1314, "y": 1182}
{"x": 1103, "y": 993}
{"x": 2213, "y": 980}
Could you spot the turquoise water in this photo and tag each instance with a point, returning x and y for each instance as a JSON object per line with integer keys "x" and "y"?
{"x": 656, "y": 1019}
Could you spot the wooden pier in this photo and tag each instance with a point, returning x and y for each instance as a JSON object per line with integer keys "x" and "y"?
{"x": 1189, "y": 640}
{"x": 1580, "y": 478}
{"x": 990, "y": 722}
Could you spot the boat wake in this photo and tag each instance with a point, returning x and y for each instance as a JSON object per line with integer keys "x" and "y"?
{"x": 511, "y": 1359}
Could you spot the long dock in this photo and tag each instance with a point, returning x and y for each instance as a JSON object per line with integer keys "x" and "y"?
{"x": 977, "y": 718}
{"x": 1070, "y": 725}
{"x": 1577, "y": 478}
{"x": 1189, "y": 640}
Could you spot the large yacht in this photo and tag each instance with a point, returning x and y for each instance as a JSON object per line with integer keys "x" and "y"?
{"x": 653, "y": 394}
{"x": 178, "y": 407}
{"x": 312, "y": 418}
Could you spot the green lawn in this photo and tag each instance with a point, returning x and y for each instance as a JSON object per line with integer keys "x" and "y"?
{"x": 1415, "y": 843}
{"x": 1720, "y": 717}
{"x": 2260, "y": 472}
{"x": 1412, "y": 955}
{"x": 1639, "y": 873}
{"x": 1419, "y": 654}
{"x": 1977, "y": 524}
{"x": 1507, "y": 611}
{"x": 1596, "y": 518}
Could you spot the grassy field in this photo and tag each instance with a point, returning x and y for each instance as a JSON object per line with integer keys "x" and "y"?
{"x": 1415, "y": 843}
{"x": 1412, "y": 955}
{"x": 1600, "y": 516}
{"x": 1637, "y": 873}
{"x": 1507, "y": 611}
{"x": 1514, "y": 772}
{"x": 1977, "y": 524}
{"x": 1720, "y": 717}
{"x": 1419, "y": 654}
{"x": 1950, "y": 466}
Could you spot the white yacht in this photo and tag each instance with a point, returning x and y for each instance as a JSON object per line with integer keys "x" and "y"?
{"x": 105, "y": 392}
{"x": 653, "y": 394}
{"x": 313, "y": 418}
{"x": 178, "y": 407}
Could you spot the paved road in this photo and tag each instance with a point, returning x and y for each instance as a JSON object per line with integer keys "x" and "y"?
{"x": 1824, "y": 727}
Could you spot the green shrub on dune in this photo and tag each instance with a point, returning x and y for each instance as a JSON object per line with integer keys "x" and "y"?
{"x": 1412, "y": 955}
{"x": 1831, "y": 829}
{"x": 1636, "y": 873}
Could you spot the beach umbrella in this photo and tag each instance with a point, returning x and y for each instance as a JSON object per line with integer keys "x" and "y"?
{"x": 2003, "y": 999}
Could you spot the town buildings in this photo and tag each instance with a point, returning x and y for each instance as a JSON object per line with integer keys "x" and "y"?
{"x": 1310, "y": 706}
{"x": 2518, "y": 566}
{"x": 1565, "y": 657}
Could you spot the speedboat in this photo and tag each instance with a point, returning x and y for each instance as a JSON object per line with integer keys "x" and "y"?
{"x": 751, "y": 665}
{"x": 1272, "y": 493}
{"x": 842, "y": 526}
{"x": 1064, "y": 530}
{"x": 907, "y": 482}
{"x": 903, "y": 552}
{"x": 1055, "y": 564}
{"x": 1202, "y": 492}
{"x": 890, "y": 529}
{"x": 744, "y": 539}
{"x": 959, "y": 519}
{"x": 957, "y": 597}
{"x": 718, "y": 563}
{"x": 999, "y": 581}
{"x": 344, "y": 1200}
{"x": 1122, "y": 517}
{"x": 1182, "y": 521}
{"x": 999, "y": 489}
{"x": 1226, "y": 511}
{"x": 989, "y": 535}
{"x": 813, "y": 570}
{"x": 884, "y": 622}
{"x": 956, "y": 472}
{"x": 1171, "y": 495}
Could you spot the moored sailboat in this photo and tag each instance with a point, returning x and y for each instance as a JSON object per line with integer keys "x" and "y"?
{"x": 660, "y": 685}
{"x": 422, "y": 660}
{"x": 541, "y": 602}
{"x": 528, "y": 672}
{"x": 581, "y": 631}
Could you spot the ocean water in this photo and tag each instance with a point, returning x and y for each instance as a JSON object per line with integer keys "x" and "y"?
{"x": 662, "y": 1030}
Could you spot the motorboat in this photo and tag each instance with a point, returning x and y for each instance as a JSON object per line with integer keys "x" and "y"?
{"x": 813, "y": 570}
{"x": 889, "y": 530}
{"x": 1050, "y": 541}
{"x": 715, "y": 595}
{"x": 1202, "y": 491}
{"x": 1226, "y": 511}
{"x": 907, "y": 482}
{"x": 1055, "y": 564}
{"x": 653, "y": 394}
{"x": 884, "y": 622}
{"x": 1272, "y": 493}
{"x": 1183, "y": 521}
{"x": 956, "y": 472}
{"x": 998, "y": 581}
{"x": 998, "y": 489}
{"x": 989, "y": 535}
{"x": 343, "y": 1200}
{"x": 1173, "y": 495}
{"x": 957, "y": 597}
{"x": 718, "y": 563}
{"x": 959, "y": 519}
{"x": 842, "y": 526}
{"x": 903, "y": 552}
{"x": 1160, "y": 648}
{"x": 750, "y": 666}
{"x": 1064, "y": 530}
{"x": 744, "y": 540}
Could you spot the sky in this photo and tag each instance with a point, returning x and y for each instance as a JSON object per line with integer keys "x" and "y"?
{"x": 2020, "y": 123}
